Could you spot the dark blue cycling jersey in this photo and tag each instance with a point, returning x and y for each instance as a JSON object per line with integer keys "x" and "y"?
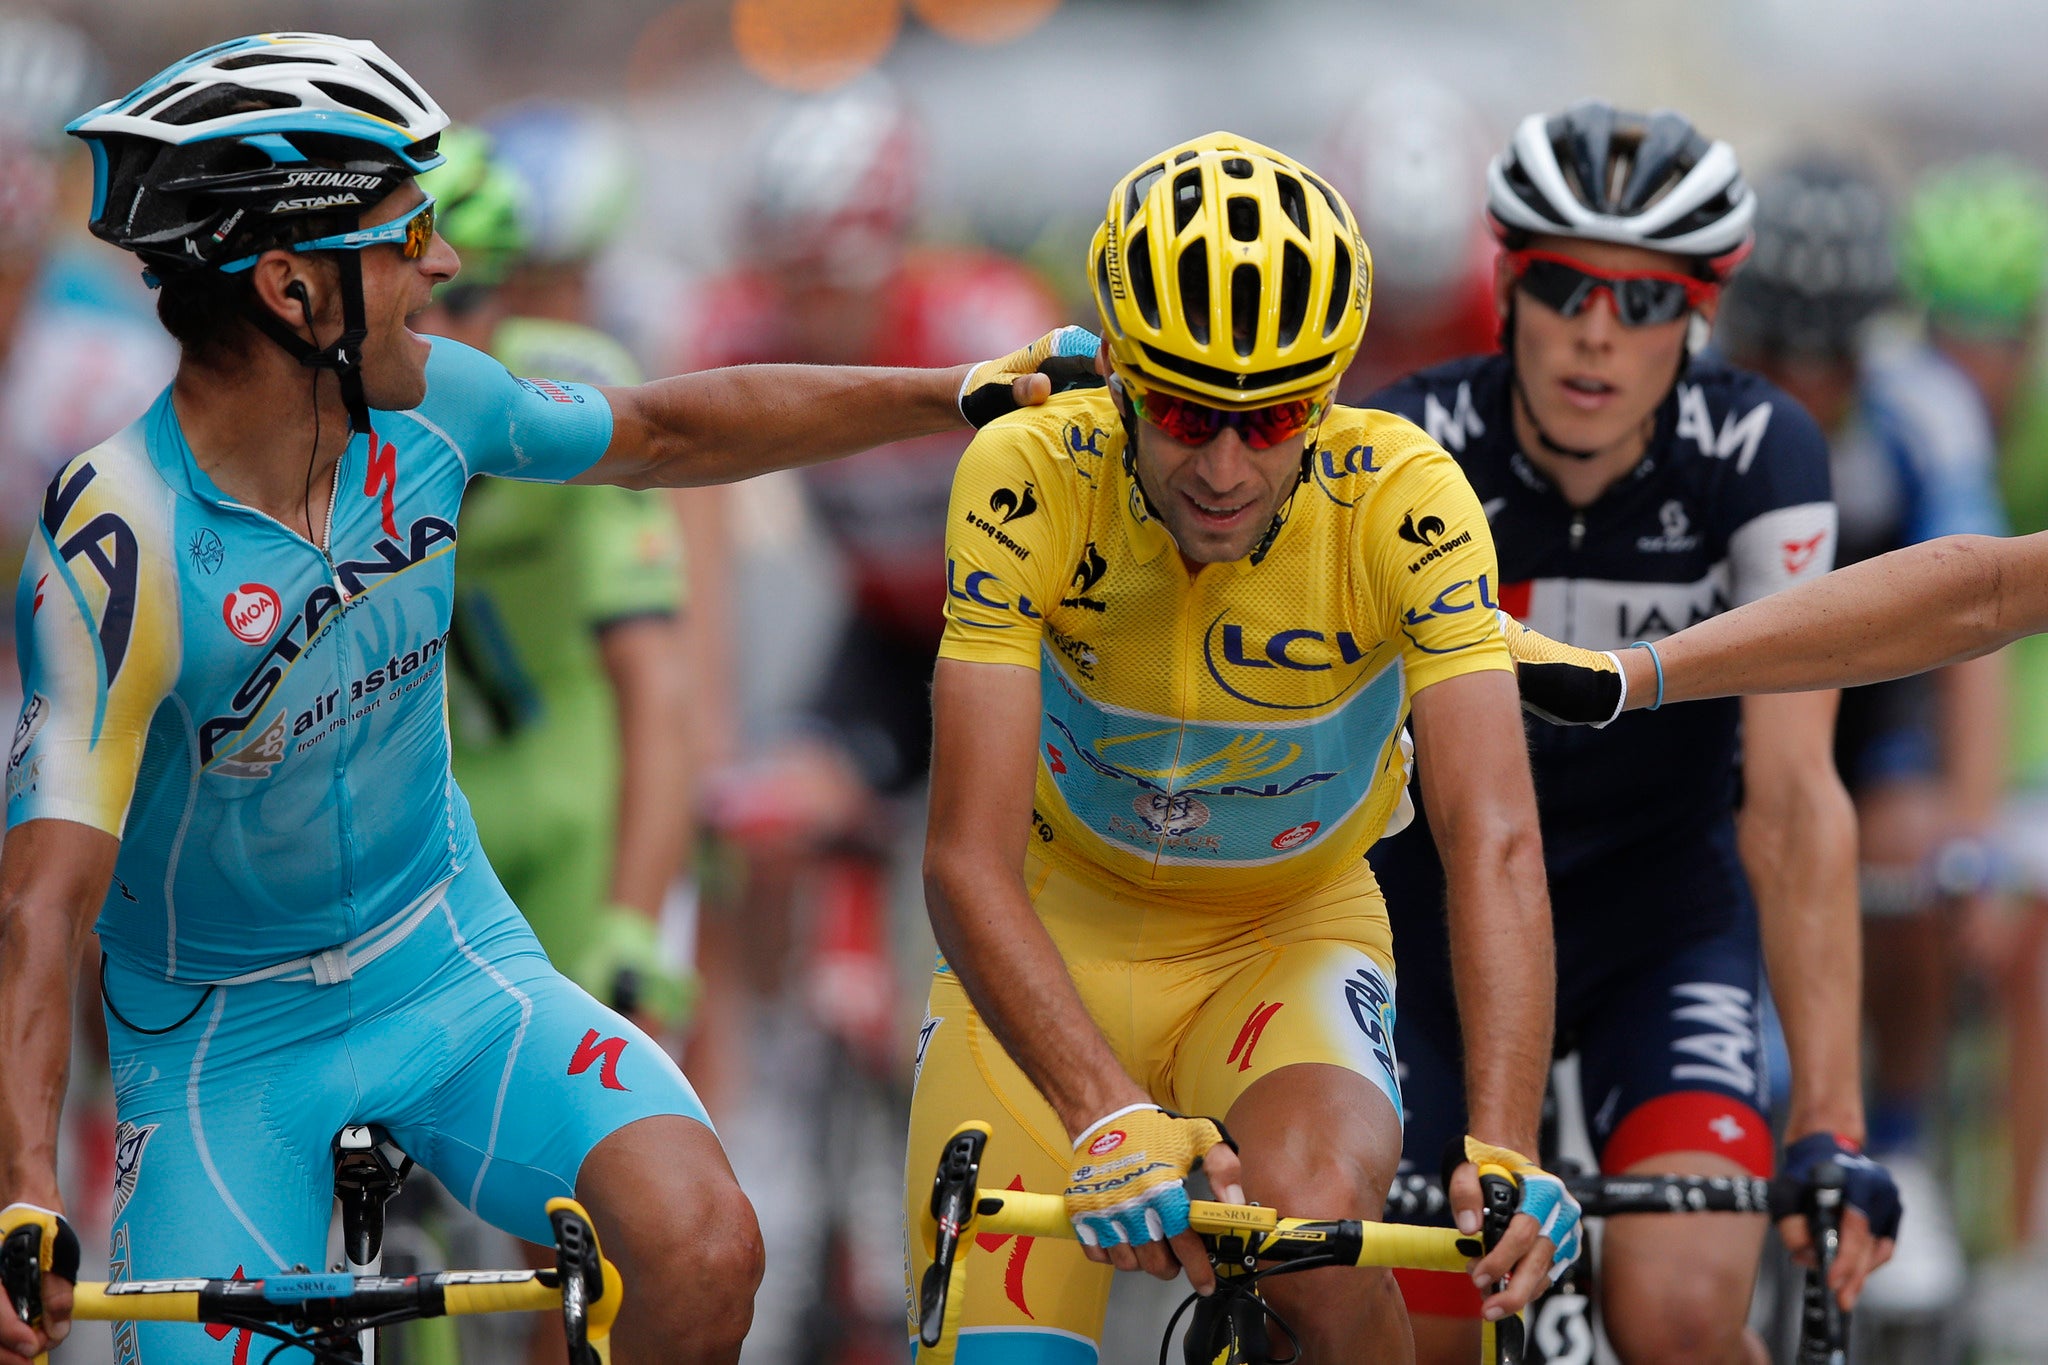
{"x": 1730, "y": 503}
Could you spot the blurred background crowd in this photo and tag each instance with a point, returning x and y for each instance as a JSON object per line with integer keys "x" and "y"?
{"x": 650, "y": 186}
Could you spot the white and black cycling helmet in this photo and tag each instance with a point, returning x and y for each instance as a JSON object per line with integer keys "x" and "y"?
{"x": 1602, "y": 174}
{"x": 1823, "y": 264}
{"x": 257, "y": 143}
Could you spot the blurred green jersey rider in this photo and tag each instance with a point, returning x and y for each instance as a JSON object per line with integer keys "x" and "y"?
{"x": 564, "y": 697}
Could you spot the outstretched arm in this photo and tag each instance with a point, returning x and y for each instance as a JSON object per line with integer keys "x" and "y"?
{"x": 1930, "y": 604}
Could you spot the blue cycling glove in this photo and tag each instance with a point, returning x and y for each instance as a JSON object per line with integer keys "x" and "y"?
{"x": 1543, "y": 1197}
{"x": 1866, "y": 1186}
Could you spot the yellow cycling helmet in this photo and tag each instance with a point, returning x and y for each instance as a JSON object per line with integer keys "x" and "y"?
{"x": 1230, "y": 274}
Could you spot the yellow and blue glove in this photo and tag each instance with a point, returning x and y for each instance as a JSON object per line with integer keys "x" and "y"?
{"x": 1125, "y": 1182}
{"x": 1562, "y": 683}
{"x": 1542, "y": 1196}
{"x": 1066, "y": 356}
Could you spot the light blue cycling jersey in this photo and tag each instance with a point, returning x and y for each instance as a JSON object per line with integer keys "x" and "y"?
{"x": 263, "y": 724}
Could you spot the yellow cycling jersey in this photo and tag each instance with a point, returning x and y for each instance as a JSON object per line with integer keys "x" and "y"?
{"x": 1229, "y": 735}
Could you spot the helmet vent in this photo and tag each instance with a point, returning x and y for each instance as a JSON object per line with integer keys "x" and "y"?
{"x": 1141, "y": 185}
{"x": 1244, "y": 308}
{"x": 357, "y": 99}
{"x": 1329, "y": 197}
{"x": 1144, "y": 290}
{"x": 249, "y": 59}
{"x": 1189, "y": 155}
{"x": 1187, "y": 199}
{"x": 1193, "y": 272}
{"x": 161, "y": 97}
{"x": 1102, "y": 294}
{"x": 403, "y": 86}
{"x": 1293, "y": 202}
{"x": 1237, "y": 168}
{"x": 210, "y": 102}
{"x": 1244, "y": 218}
{"x": 1295, "y": 277}
{"x": 1340, "y": 287}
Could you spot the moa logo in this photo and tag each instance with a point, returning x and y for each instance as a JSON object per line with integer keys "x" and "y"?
{"x": 252, "y": 612}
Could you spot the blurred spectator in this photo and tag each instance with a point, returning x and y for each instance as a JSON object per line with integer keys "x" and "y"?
{"x": 1911, "y": 458}
{"x": 1411, "y": 159}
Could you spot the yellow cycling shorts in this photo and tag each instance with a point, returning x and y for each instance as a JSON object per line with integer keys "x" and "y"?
{"x": 1197, "y": 1004}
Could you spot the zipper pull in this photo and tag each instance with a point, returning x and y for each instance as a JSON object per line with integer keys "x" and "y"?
{"x": 1578, "y": 529}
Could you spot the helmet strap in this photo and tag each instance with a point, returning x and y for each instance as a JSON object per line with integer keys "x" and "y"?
{"x": 344, "y": 355}
{"x": 1259, "y": 551}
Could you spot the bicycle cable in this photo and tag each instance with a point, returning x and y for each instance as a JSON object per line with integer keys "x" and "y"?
{"x": 1246, "y": 1287}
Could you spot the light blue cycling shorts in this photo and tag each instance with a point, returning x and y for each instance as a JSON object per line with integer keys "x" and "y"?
{"x": 489, "y": 1067}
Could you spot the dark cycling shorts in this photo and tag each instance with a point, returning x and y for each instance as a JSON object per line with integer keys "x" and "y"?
{"x": 1885, "y": 733}
{"x": 1659, "y": 993}
{"x": 876, "y": 704}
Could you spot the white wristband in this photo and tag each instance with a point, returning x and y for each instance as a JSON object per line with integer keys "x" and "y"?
{"x": 1092, "y": 1129}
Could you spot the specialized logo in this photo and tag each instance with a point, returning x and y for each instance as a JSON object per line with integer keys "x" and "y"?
{"x": 1248, "y": 1036}
{"x": 1799, "y": 554}
{"x": 1013, "y": 1273}
{"x": 331, "y": 180}
{"x": 1054, "y": 759}
{"x": 1012, "y": 505}
{"x": 34, "y": 712}
{"x": 108, "y": 544}
{"x": 252, "y": 612}
{"x": 206, "y": 551}
{"x": 1087, "y": 574}
{"x": 607, "y": 1052}
{"x": 129, "y": 1143}
{"x": 1424, "y": 532}
{"x": 380, "y": 480}
{"x": 1296, "y": 837}
{"x": 218, "y": 1330}
{"x": 1108, "y": 1142}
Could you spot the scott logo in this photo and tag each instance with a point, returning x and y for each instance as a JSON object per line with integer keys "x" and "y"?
{"x": 1296, "y": 837}
{"x": 1107, "y": 1142}
{"x": 252, "y": 613}
{"x": 1424, "y": 532}
{"x": 606, "y": 1051}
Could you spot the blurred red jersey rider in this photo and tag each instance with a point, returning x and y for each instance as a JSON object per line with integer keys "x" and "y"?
{"x": 830, "y": 277}
{"x": 1411, "y": 158}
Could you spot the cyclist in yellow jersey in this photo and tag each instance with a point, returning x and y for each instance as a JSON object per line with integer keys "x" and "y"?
{"x": 1186, "y": 618}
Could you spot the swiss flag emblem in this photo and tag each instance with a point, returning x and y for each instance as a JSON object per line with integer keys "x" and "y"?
{"x": 1800, "y": 553}
{"x": 252, "y": 612}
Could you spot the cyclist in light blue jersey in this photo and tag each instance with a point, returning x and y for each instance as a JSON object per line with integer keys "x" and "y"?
{"x": 233, "y": 742}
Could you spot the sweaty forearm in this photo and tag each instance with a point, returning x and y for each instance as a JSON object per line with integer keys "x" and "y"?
{"x": 1018, "y": 983}
{"x": 1503, "y": 964}
{"x": 1799, "y": 848}
{"x": 38, "y": 965}
{"x": 716, "y": 426}
{"x": 1918, "y": 608}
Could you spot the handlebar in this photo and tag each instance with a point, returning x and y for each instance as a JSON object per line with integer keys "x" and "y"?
{"x": 324, "y": 1312}
{"x": 1234, "y": 1233}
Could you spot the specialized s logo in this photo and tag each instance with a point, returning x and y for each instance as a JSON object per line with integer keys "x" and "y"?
{"x": 607, "y": 1052}
{"x": 380, "y": 479}
{"x": 1248, "y": 1036}
{"x": 1011, "y": 505}
{"x": 1424, "y": 532}
{"x": 1013, "y": 1273}
{"x": 252, "y": 612}
{"x": 129, "y": 1143}
{"x": 108, "y": 544}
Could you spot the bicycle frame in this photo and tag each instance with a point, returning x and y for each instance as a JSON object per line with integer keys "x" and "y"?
{"x": 1236, "y": 1235}
{"x": 325, "y": 1312}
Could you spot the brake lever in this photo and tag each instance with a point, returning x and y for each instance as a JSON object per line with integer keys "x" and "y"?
{"x": 1823, "y": 1324}
{"x": 1499, "y": 1197}
{"x": 952, "y": 1207}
